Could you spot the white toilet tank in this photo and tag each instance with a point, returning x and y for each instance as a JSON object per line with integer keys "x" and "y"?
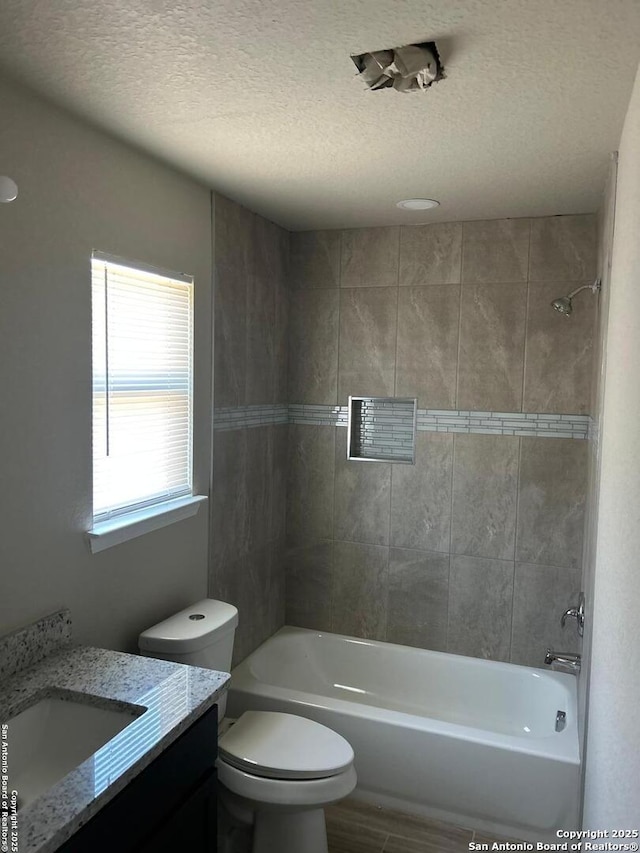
{"x": 200, "y": 635}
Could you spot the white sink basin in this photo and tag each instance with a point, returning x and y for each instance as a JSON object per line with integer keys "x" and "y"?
{"x": 52, "y": 737}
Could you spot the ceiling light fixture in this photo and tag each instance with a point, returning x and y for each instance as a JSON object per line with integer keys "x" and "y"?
{"x": 417, "y": 203}
{"x": 8, "y": 189}
{"x": 411, "y": 68}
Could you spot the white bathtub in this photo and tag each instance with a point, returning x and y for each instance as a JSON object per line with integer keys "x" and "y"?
{"x": 456, "y": 738}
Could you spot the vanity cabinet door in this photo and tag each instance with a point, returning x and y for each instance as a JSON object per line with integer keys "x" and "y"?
{"x": 191, "y": 828}
{"x": 168, "y": 806}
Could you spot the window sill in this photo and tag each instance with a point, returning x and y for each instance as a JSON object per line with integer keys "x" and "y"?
{"x": 106, "y": 534}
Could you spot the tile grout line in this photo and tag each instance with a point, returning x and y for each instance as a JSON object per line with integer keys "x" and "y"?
{"x": 395, "y": 366}
{"x": 526, "y": 321}
{"x": 515, "y": 547}
{"x": 395, "y": 391}
{"x": 460, "y": 292}
{"x": 452, "y": 481}
{"x": 332, "y": 577}
{"x": 333, "y": 529}
{"x": 339, "y": 318}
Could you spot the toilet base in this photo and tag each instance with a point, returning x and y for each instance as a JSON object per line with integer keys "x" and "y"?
{"x": 290, "y": 832}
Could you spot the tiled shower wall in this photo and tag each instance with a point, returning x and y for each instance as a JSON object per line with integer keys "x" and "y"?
{"x": 249, "y": 464}
{"x": 477, "y": 549}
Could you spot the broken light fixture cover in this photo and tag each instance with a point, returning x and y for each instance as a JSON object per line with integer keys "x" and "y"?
{"x": 412, "y": 68}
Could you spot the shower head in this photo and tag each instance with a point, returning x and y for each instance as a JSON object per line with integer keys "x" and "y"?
{"x": 563, "y": 303}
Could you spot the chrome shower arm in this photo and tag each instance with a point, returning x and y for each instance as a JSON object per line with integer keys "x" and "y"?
{"x": 594, "y": 287}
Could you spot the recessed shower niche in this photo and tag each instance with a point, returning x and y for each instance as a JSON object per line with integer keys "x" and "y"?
{"x": 382, "y": 429}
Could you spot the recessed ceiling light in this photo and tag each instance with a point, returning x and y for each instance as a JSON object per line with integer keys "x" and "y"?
{"x": 8, "y": 189}
{"x": 417, "y": 203}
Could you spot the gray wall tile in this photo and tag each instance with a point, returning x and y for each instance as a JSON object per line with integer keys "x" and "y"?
{"x": 367, "y": 342}
{"x": 249, "y": 469}
{"x": 563, "y": 248}
{"x": 418, "y": 598}
{"x": 270, "y": 250}
{"x": 227, "y": 583}
{"x": 315, "y": 259}
{"x": 250, "y": 584}
{"x": 281, "y": 341}
{"x": 370, "y": 257}
{"x": 541, "y": 595}
{"x": 278, "y": 449}
{"x": 313, "y": 350}
{"x": 485, "y": 487}
{"x": 427, "y": 350}
{"x": 261, "y": 355}
{"x": 430, "y": 254}
{"x": 277, "y": 587}
{"x": 359, "y": 601}
{"x": 229, "y": 499}
{"x": 233, "y": 235}
{"x": 492, "y": 328}
{"x": 230, "y": 321}
{"x": 496, "y": 250}
{"x": 309, "y": 574}
{"x": 310, "y": 481}
{"x": 496, "y": 255}
{"x": 259, "y": 486}
{"x": 421, "y": 495}
{"x": 553, "y": 474}
{"x": 254, "y": 623}
{"x": 480, "y": 597}
{"x": 559, "y": 351}
{"x": 362, "y": 497}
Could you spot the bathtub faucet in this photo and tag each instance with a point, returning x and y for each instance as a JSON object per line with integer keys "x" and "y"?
{"x": 563, "y": 662}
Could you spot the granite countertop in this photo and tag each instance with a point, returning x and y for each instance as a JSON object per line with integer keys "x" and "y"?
{"x": 174, "y": 695}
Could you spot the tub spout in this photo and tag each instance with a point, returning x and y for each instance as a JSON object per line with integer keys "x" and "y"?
{"x": 563, "y": 661}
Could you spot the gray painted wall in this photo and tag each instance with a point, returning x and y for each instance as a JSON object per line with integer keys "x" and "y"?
{"x": 477, "y": 549}
{"x": 81, "y": 190}
{"x": 612, "y": 781}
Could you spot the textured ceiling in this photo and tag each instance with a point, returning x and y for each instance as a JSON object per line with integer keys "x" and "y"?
{"x": 258, "y": 99}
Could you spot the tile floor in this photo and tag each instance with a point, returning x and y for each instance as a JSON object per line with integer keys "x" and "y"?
{"x": 355, "y": 827}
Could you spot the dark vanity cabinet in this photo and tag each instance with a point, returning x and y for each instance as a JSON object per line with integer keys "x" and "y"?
{"x": 169, "y": 806}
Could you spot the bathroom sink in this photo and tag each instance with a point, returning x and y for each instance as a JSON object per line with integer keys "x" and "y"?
{"x": 52, "y": 737}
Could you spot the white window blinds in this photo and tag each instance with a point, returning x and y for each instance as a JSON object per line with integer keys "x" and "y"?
{"x": 142, "y": 386}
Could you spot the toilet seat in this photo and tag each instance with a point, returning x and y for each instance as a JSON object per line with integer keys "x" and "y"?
{"x": 287, "y": 793}
{"x": 278, "y": 746}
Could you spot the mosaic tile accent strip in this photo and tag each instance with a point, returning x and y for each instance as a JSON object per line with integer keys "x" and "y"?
{"x": 382, "y": 429}
{"x": 429, "y": 420}
{"x": 451, "y": 420}
{"x": 28, "y": 645}
{"x": 318, "y": 415}
{"x": 242, "y": 417}
{"x": 504, "y": 423}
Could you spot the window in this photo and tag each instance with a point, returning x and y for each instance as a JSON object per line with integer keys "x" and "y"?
{"x": 142, "y": 389}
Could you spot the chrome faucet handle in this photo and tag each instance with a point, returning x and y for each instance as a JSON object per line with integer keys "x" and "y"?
{"x": 571, "y": 613}
{"x": 576, "y": 613}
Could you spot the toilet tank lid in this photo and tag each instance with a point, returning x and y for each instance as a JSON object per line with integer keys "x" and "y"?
{"x": 191, "y": 629}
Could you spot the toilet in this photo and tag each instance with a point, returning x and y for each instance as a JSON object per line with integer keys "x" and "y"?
{"x": 276, "y": 771}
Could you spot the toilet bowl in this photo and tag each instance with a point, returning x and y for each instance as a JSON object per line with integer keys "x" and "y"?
{"x": 276, "y": 771}
{"x": 282, "y": 770}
